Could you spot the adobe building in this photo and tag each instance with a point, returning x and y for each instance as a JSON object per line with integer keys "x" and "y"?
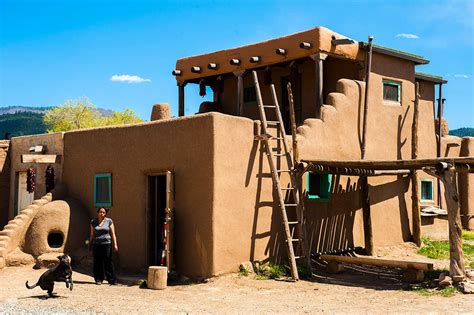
{"x": 211, "y": 173}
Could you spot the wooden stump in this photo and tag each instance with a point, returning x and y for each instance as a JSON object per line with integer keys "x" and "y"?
{"x": 157, "y": 277}
{"x": 334, "y": 267}
{"x": 413, "y": 275}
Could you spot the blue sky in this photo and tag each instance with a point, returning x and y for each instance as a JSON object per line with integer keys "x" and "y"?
{"x": 52, "y": 51}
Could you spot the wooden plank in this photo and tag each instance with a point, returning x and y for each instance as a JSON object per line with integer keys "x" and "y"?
{"x": 415, "y": 195}
{"x": 38, "y": 158}
{"x": 418, "y": 265}
{"x": 181, "y": 99}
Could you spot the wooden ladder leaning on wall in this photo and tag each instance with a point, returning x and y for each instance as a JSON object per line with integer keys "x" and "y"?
{"x": 298, "y": 243}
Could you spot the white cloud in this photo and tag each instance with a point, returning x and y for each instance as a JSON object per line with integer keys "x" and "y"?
{"x": 409, "y": 36}
{"x": 128, "y": 78}
{"x": 464, "y": 76}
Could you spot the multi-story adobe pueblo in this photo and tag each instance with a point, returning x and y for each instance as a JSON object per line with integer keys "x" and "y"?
{"x": 210, "y": 170}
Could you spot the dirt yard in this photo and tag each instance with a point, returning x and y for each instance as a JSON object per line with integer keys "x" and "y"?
{"x": 349, "y": 292}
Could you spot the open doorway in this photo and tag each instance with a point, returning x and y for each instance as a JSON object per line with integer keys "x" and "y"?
{"x": 156, "y": 218}
{"x": 160, "y": 203}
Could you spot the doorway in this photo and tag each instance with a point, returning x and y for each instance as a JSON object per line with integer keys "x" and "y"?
{"x": 24, "y": 198}
{"x": 156, "y": 218}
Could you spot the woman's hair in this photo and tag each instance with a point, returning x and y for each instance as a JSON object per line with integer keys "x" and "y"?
{"x": 106, "y": 209}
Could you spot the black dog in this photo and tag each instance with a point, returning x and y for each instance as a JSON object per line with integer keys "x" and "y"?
{"x": 61, "y": 272}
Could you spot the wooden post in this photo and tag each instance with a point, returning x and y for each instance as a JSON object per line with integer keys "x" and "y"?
{"x": 181, "y": 98}
{"x": 447, "y": 174}
{"x": 438, "y": 147}
{"x": 157, "y": 277}
{"x": 318, "y": 66}
{"x": 456, "y": 260}
{"x": 366, "y": 97}
{"x": 240, "y": 91}
{"x": 368, "y": 237}
{"x": 296, "y": 156}
{"x": 414, "y": 178}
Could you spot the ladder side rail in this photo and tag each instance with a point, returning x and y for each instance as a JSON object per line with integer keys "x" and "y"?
{"x": 295, "y": 191}
{"x": 298, "y": 181}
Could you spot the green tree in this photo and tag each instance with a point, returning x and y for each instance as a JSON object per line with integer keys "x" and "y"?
{"x": 82, "y": 113}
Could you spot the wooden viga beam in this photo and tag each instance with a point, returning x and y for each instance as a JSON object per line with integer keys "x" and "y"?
{"x": 462, "y": 164}
{"x": 316, "y": 168}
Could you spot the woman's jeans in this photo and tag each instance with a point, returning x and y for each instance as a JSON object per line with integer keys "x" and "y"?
{"x": 103, "y": 262}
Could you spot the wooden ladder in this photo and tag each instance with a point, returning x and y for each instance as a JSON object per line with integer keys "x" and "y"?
{"x": 298, "y": 243}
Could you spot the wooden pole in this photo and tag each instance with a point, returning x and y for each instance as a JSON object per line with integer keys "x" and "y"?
{"x": 393, "y": 164}
{"x": 181, "y": 98}
{"x": 366, "y": 97}
{"x": 438, "y": 147}
{"x": 416, "y": 214}
{"x": 296, "y": 157}
{"x": 368, "y": 236}
{"x": 240, "y": 91}
{"x": 318, "y": 66}
{"x": 447, "y": 174}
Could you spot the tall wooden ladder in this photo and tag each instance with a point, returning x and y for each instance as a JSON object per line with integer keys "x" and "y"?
{"x": 294, "y": 230}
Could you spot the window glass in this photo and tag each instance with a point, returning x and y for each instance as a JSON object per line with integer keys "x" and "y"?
{"x": 426, "y": 190}
{"x": 102, "y": 190}
{"x": 391, "y": 91}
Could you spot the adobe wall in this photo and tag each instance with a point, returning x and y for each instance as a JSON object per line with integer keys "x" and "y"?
{"x": 184, "y": 146}
{"x": 4, "y": 182}
{"x": 21, "y": 145}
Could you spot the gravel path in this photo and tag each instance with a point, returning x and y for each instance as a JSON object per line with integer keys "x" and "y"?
{"x": 347, "y": 293}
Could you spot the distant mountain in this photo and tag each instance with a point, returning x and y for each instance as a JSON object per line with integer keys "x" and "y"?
{"x": 27, "y": 120}
{"x": 462, "y": 132}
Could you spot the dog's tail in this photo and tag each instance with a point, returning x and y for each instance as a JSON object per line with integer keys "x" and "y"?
{"x": 31, "y": 287}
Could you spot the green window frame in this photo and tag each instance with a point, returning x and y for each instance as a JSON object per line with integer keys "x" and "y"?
{"x": 318, "y": 186}
{"x": 99, "y": 180}
{"x": 392, "y": 84}
{"x": 426, "y": 190}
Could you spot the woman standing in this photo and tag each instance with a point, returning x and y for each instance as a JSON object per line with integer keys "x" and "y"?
{"x": 102, "y": 239}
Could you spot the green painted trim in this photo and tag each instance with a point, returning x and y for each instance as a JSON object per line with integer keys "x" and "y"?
{"x": 432, "y": 189}
{"x": 325, "y": 183}
{"x": 397, "y": 83}
{"x": 103, "y": 204}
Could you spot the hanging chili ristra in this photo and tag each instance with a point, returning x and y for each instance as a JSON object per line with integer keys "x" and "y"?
{"x": 31, "y": 180}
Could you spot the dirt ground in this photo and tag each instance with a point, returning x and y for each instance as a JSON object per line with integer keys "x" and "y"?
{"x": 354, "y": 291}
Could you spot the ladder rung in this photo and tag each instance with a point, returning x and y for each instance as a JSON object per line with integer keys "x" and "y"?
{"x": 294, "y": 222}
{"x": 272, "y": 122}
{"x": 276, "y": 138}
{"x": 295, "y": 240}
{"x": 287, "y": 188}
{"x": 279, "y": 154}
{"x": 283, "y": 171}
{"x": 299, "y": 257}
{"x": 273, "y": 106}
{"x": 291, "y": 204}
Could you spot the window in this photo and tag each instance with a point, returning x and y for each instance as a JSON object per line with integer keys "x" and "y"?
{"x": 392, "y": 91}
{"x": 426, "y": 190}
{"x": 250, "y": 95}
{"x": 103, "y": 190}
{"x": 318, "y": 186}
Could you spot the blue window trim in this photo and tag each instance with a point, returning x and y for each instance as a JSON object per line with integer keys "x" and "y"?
{"x": 421, "y": 187}
{"x": 317, "y": 197}
{"x": 103, "y": 204}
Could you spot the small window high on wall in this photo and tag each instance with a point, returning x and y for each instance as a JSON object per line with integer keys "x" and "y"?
{"x": 103, "y": 190}
{"x": 392, "y": 91}
{"x": 426, "y": 190}
{"x": 318, "y": 186}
